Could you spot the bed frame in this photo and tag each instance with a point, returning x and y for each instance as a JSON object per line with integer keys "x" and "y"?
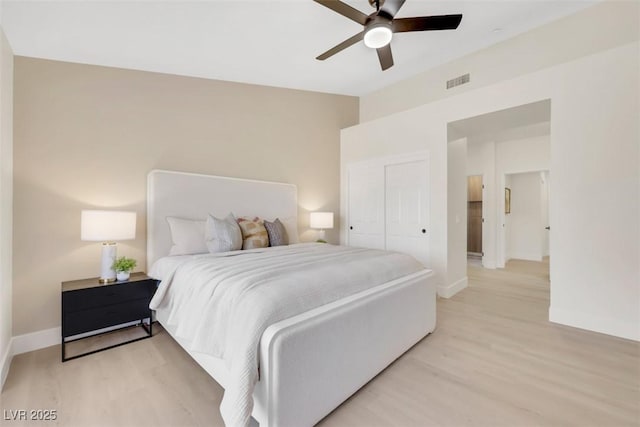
{"x": 303, "y": 374}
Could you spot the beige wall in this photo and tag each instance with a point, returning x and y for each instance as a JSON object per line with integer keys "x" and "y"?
{"x": 86, "y": 137}
{"x": 603, "y": 26}
{"x": 6, "y": 198}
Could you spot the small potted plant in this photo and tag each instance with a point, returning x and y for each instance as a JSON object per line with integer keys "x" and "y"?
{"x": 123, "y": 267}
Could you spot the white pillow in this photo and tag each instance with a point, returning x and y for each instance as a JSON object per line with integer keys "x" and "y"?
{"x": 223, "y": 235}
{"x": 187, "y": 236}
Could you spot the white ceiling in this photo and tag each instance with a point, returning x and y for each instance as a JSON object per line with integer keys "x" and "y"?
{"x": 263, "y": 42}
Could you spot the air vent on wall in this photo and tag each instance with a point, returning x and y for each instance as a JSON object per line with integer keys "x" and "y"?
{"x": 458, "y": 81}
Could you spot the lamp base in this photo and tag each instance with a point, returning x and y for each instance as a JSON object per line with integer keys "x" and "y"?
{"x": 109, "y": 253}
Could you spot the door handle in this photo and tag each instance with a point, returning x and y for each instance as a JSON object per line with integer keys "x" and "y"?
{"x": 424, "y": 231}
{"x": 548, "y": 227}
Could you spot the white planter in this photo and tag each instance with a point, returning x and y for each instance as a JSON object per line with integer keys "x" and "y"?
{"x": 122, "y": 275}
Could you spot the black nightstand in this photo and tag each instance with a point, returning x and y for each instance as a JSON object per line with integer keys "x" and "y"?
{"x": 89, "y": 306}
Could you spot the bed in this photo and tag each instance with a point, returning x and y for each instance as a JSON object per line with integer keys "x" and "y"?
{"x": 310, "y": 362}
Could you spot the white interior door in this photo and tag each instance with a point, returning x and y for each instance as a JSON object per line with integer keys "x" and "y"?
{"x": 366, "y": 207}
{"x": 407, "y": 209}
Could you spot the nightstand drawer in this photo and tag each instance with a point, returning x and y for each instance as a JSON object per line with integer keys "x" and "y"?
{"x": 107, "y": 295}
{"x": 97, "y": 318}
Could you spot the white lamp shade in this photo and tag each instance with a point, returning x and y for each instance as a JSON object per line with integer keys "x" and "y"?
{"x": 107, "y": 226}
{"x": 321, "y": 220}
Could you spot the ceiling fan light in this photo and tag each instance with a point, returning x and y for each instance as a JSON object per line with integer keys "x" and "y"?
{"x": 378, "y": 36}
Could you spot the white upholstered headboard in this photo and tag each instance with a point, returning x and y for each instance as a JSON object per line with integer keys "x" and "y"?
{"x": 194, "y": 196}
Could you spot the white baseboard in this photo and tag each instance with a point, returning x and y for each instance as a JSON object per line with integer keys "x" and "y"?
{"x": 604, "y": 325}
{"x": 489, "y": 262}
{"x": 36, "y": 340}
{"x": 6, "y": 363}
{"x": 526, "y": 256}
{"x": 450, "y": 290}
{"x": 48, "y": 337}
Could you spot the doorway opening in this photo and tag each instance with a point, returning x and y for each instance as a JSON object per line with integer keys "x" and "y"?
{"x": 474, "y": 218}
{"x": 526, "y": 224}
{"x": 487, "y": 151}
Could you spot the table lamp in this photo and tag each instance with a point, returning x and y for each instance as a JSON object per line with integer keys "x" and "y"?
{"x": 322, "y": 221}
{"x": 107, "y": 227}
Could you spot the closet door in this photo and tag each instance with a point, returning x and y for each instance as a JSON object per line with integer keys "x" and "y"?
{"x": 407, "y": 209}
{"x": 366, "y": 206}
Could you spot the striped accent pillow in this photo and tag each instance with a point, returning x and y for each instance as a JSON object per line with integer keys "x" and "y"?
{"x": 254, "y": 234}
{"x": 277, "y": 233}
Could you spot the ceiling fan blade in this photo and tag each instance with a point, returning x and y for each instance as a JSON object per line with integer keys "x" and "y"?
{"x": 391, "y": 7}
{"x": 344, "y": 10}
{"x": 385, "y": 57}
{"x": 339, "y": 47}
{"x": 426, "y": 23}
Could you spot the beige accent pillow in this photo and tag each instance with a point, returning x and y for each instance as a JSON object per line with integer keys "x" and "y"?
{"x": 254, "y": 234}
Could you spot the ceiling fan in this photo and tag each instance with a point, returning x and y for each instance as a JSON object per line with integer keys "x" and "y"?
{"x": 380, "y": 26}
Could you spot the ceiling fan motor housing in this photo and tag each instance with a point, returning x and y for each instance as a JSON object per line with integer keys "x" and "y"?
{"x": 376, "y": 4}
{"x": 377, "y": 31}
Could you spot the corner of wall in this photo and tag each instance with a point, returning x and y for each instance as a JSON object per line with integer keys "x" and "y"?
{"x": 6, "y": 203}
{"x": 600, "y": 324}
{"x": 5, "y": 363}
{"x": 448, "y": 291}
{"x": 24, "y": 344}
{"x": 35, "y": 340}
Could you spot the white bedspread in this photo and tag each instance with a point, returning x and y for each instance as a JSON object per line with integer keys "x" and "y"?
{"x": 222, "y": 303}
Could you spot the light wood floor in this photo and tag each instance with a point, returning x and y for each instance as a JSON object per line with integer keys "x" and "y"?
{"x": 494, "y": 360}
